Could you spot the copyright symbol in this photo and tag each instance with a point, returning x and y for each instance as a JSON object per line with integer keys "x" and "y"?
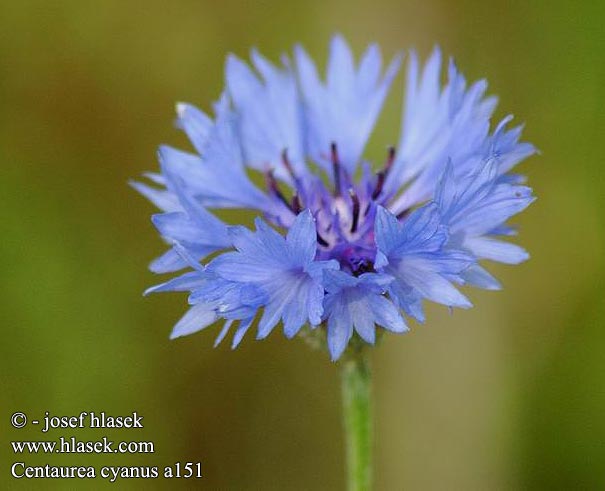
{"x": 19, "y": 420}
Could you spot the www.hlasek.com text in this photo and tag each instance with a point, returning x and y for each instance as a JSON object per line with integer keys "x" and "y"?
{"x": 72, "y": 445}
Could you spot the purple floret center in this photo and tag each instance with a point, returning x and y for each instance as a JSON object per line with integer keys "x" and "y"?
{"x": 344, "y": 210}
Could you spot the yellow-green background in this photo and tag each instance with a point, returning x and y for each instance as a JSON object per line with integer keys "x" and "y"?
{"x": 508, "y": 395}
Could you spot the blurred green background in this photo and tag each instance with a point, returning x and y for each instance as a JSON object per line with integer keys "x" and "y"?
{"x": 507, "y": 395}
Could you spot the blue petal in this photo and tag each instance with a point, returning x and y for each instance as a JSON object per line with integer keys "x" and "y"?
{"x": 173, "y": 260}
{"x": 195, "y": 124}
{"x": 480, "y": 278}
{"x": 218, "y": 177}
{"x": 269, "y": 115}
{"x": 363, "y": 319}
{"x": 302, "y": 237}
{"x": 340, "y": 327}
{"x": 197, "y": 318}
{"x": 496, "y": 250}
{"x": 387, "y": 315}
{"x": 180, "y": 227}
{"x": 341, "y": 66}
{"x": 446, "y": 125}
{"x": 413, "y": 253}
{"x": 240, "y": 332}
{"x": 335, "y": 281}
{"x": 478, "y": 205}
{"x": 217, "y": 180}
{"x": 223, "y": 333}
{"x": 282, "y": 294}
{"x": 241, "y": 81}
{"x": 232, "y": 300}
{"x": 421, "y": 232}
{"x": 387, "y": 230}
{"x": 282, "y": 268}
{"x": 163, "y": 199}
{"x": 357, "y": 303}
{"x": 429, "y": 284}
{"x": 183, "y": 283}
{"x": 293, "y": 298}
{"x": 368, "y": 72}
{"x": 345, "y": 109}
{"x": 168, "y": 262}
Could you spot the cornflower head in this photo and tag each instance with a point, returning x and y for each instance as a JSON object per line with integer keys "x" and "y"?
{"x": 338, "y": 244}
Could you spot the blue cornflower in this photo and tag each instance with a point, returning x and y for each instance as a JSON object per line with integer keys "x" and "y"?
{"x": 338, "y": 246}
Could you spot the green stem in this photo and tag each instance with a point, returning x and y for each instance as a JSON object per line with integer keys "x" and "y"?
{"x": 357, "y": 415}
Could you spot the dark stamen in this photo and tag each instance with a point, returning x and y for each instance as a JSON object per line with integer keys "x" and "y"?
{"x": 335, "y": 168}
{"x": 403, "y": 214}
{"x": 390, "y": 160}
{"x": 355, "y": 200}
{"x": 287, "y": 164}
{"x": 380, "y": 177}
{"x": 322, "y": 241}
{"x": 296, "y": 206}
{"x": 274, "y": 188}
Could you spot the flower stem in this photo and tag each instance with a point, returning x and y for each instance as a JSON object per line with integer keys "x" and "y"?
{"x": 357, "y": 416}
